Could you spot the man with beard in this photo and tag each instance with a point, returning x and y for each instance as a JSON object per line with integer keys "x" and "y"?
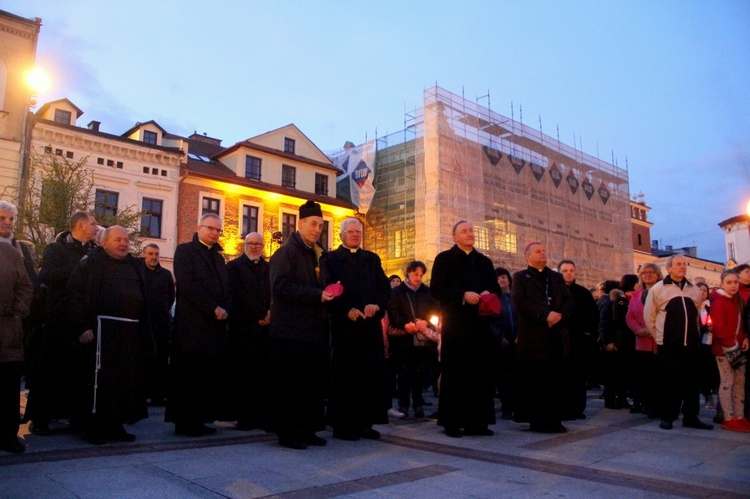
{"x": 544, "y": 305}
{"x": 357, "y": 361}
{"x": 460, "y": 277}
{"x": 582, "y": 327}
{"x": 49, "y": 372}
{"x": 106, "y": 305}
{"x": 249, "y": 317}
{"x": 199, "y": 338}
{"x": 299, "y": 335}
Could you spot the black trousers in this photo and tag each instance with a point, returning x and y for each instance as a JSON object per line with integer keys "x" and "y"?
{"x": 10, "y": 392}
{"x": 679, "y": 370}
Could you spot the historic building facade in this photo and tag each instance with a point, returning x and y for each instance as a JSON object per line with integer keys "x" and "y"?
{"x": 18, "y": 42}
{"x": 257, "y": 185}
{"x": 139, "y": 169}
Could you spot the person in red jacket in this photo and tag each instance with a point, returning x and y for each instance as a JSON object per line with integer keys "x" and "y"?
{"x": 729, "y": 337}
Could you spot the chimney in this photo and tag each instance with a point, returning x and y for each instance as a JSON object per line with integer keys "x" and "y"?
{"x": 94, "y": 125}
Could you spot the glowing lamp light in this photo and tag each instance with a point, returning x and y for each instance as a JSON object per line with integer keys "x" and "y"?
{"x": 38, "y": 80}
{"x": 748, "y": 208}
{"x": 434, "y": 320}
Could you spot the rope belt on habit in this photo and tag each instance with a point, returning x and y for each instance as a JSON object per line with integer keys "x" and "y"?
{"x": 99, "y": 349}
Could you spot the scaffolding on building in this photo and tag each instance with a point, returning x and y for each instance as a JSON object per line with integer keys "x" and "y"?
{"x": 458, "y": 160}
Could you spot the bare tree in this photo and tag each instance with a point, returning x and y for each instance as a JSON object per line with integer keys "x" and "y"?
{"x": 56, "y": 187}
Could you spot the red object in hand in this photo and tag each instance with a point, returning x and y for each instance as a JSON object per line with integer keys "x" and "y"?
{"x": 334, "y": 289}
{"x": 489, "y": 304}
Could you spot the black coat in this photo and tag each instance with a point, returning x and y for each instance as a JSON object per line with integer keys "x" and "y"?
{"x": 535, "y": 294}
{"x": 250, "y": 288}
{"x": 466, "y": 394}
{"x": 202, "y": 285}
{"x": 160, "y": 291}
{"x": 584, "y": 321}
{"x": 58, "y": 261}
{"x": 297, "y": 312}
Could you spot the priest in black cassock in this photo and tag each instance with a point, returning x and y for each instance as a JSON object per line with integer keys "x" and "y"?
{"x": 199, "y": 338}
{"x": 106, "y": 309}
{"x": 249, "y": 319}
{"x": 357, "y": 361}
{"x": 460, "y": 276}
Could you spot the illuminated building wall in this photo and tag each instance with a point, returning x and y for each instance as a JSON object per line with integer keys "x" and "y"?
{"x": 457, "y": 160}
{"x": 18, "y": 42}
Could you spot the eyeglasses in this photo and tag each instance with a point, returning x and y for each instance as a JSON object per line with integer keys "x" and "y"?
{"x": 213, "y": 229}
{"x": 254, "y": 244}
{"x": 353, "y": 231}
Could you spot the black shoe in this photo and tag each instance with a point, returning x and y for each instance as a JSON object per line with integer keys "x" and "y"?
{"x": 347, "y": 435}
{"x": 636, "y": 409}
{"x": 611, "y": 405}
{"x": 95, "y": 438}
{"x": 454, "y": 432}
{"x": 581, "y": 416}
{"x": 315, "y": 440}
{"x": 697, "y": 424}
{"x": 120, "y": 435}
{"x": 193, "y": 430}
{"x": 418, "y": 411}
{"x": 479, "y": 432}
{"x": 12, "y": 445}
{"x": 719, "y": 418}
{"x": 370, "y": 434}
{"x": 290, "y": 443}
{"x": 624, "y": 404}
{"x": 665, "y": 425}
{"x": 40, "y": 429}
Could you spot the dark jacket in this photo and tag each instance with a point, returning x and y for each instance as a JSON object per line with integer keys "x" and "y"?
{"x": 607, "y": 332}
{"x": 58, "y": 261}
{"x": 297, "y": 312}
{"x": 400, "y": 311}
{"x": 624, "y": 337}
{"x": 250, "y": 288}
{"x": 160, "y": 291}
{"x": 361, "y": 274}
{"x": 202, "y": 285}
{"x": 454, "y": 273}
{"x": 16, "y": 291}
{"x": 535, "y": 294}
{"x": 585, "y": 318}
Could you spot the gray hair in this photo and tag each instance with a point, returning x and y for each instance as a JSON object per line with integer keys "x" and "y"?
{"x": 346, "y": 223}
{"x": 6, "y": 206}
{"x": 211, "y": 215}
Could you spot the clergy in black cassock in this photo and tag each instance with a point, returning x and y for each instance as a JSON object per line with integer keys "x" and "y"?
{"x": 358, "y": 358}
{"x": 460, "y": 276}
{"x": 107, "y": 288}
{"x": 250, "y": 288}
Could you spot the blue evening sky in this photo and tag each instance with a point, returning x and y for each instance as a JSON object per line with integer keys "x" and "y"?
{"x": 665, "y": 84}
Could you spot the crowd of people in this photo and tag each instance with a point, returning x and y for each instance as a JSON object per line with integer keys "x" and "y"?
{"x": 313, "y": 338}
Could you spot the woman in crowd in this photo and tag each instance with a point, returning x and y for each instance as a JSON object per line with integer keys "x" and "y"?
{"x": 643, "y": 384}
{"x": 412, "y": 339}
{"x": 729, "y": 341}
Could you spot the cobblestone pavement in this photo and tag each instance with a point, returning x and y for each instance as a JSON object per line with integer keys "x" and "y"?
{"x": 610, "y": 454}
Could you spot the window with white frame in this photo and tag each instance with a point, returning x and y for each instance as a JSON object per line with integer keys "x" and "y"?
{"x": 250, "y": 220}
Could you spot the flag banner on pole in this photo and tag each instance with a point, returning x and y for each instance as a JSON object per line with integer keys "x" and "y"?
{"x": 358, "y": 163}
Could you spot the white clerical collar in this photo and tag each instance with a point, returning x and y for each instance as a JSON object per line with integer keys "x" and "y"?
{"x": 351, "y": 250}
